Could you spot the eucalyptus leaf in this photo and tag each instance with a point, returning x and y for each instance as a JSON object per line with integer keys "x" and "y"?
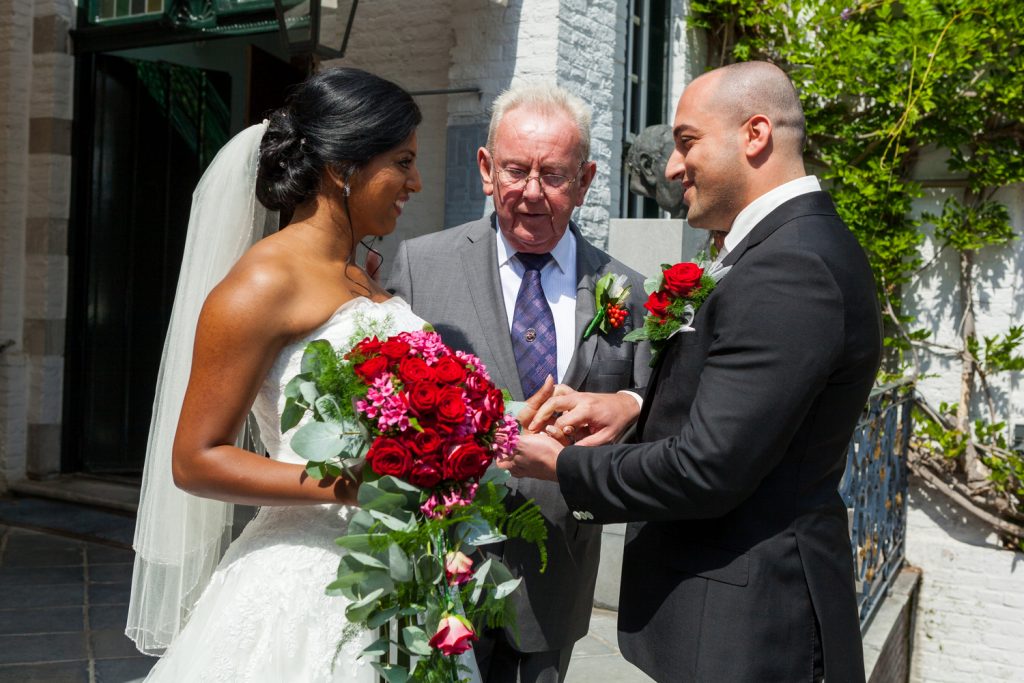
{"x": 317, "y": 441}
{"x": 315, "y": 470}
{"x": 371, "y": 497}
{"x": 392, "y": 673}
{"x": 505, "y": 588}
{"x": 477, "y": 532}
{"x": 309, "y": 392}
{"x": 291, "y": 414}
{"x": 357, "y": 542}
{"x": 377, "y": 619}
{"x": 361, "y": 522}
{"x": 364, "y": 560}
{"x": 327, "y": 406}
{"x": 500, "y": 573}
{"x": 344, "y": 582}
{"x": 415, "y": 638}
{"x": 360, "y": 609}
{"x": 496, "y": 474}
{"x": 395, "y": 523}
{"x": 291, "y": 390}
{"x": 480, "y": 575}
{"x": 376, "y": 649}
{"x": 429, "y": 569}
{"x": 653, "y": 284}
{"x": 401, "y": 569}
{"x": 637, "y": 335}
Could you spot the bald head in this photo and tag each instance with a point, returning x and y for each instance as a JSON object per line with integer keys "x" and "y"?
{"x": 747, "y": 89}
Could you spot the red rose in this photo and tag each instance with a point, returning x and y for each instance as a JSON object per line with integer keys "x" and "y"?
{"x": 481, "y": 422}
{"x": 395, "y": 349}
{"x": 658, "y": 303}
{"x": 476, "y": 385}
{"x": 466, "y": 461}
{"x": 369, "y": 369}
{"x": 450, "y": 371}
{"x": 387, "y": 456}
{"x": 427, "y": 443}
{"x": 494, "y": 403}
{"x": 682, "y": 278}
{"x": 451, "y": 406}
{"x": 369, "y": 346}
{"x": 423, "y": 397}
{"x": 425, "y": 474}
{"x": 414, "y": 369}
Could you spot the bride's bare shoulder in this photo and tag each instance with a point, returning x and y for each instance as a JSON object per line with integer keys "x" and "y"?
{"x": 262, "y": 290}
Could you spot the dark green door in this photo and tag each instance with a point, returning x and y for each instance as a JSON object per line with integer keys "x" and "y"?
{"x": 145, "y": 132}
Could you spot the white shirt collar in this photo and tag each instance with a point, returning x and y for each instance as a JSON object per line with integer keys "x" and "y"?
{"x": 563, "y": 254}
{"x": 756, "y": 210}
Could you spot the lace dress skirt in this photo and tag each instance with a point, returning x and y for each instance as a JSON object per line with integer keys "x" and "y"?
{"x": 265, "y": 616}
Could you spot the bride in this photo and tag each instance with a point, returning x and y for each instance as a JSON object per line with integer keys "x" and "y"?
{"x": 341, "y": 156}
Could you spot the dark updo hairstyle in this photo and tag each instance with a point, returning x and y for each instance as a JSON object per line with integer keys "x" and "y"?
{"x": 339, "y": 118}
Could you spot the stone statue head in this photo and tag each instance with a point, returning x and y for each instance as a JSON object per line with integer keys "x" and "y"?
{"x": 646, "y": 160}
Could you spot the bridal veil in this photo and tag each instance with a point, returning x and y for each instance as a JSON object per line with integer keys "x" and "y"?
{"x": 180, "y": 538}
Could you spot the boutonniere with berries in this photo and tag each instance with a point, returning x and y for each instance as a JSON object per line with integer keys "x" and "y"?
{"x": 610, "y": 295}
{"x": 673, "y": 300}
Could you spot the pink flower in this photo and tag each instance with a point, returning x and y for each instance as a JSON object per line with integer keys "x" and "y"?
{"x": 506, "y": 438}
{"x": 454, "y": 635}
{"x": 458, "y": 568}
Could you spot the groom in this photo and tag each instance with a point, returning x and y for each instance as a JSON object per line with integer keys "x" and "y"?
{"x": 517, "y": 289}
{"x": 737, "y": 565}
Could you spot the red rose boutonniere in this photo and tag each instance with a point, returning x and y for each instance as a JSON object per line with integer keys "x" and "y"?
{"x": 672, "y": 302}
{"x": 610, "y": 295}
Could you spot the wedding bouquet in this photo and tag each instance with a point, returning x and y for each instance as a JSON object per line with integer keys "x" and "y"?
{"x": 423, "y": 422}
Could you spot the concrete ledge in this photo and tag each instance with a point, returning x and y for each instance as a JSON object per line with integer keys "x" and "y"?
{"x": 113, "y": 495}
{"x": 888, "y": 639}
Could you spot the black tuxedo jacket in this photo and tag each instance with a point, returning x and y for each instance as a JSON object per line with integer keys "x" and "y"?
{"x": 738, "y": 542}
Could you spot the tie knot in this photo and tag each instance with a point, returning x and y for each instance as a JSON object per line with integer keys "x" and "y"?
{"x": 533, "y": 261}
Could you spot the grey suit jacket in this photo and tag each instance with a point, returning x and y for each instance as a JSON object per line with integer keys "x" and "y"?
{"x": 450, "y": 278}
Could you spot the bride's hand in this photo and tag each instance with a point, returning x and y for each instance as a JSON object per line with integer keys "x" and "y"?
{"x": 534, "y": 403}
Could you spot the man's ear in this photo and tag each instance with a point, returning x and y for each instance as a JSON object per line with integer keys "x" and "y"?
{"x": 486, "y": 164}
{"x": 586, "y": 177}
{"x": 757, "y": 133}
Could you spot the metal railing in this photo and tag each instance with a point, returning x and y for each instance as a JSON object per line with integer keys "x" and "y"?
{"x": 874, "y": 488}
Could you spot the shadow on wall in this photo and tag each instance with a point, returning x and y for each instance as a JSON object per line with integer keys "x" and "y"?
{"x": 959, "y": 524}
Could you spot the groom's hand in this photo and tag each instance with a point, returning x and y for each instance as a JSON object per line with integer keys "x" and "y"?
{"x": 588, "y": 419}
{"x": 535, "y": 458}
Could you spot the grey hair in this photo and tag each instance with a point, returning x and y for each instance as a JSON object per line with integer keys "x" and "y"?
{"x": 750, "y": 88}
{"x": 544, "y": 98}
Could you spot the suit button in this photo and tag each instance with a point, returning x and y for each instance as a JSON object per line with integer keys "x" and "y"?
{"x": 577, "y": 515}
{"x": 588, "y": 515}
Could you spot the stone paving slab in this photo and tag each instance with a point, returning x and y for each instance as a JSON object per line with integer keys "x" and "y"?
{"x": 64, "y": 601}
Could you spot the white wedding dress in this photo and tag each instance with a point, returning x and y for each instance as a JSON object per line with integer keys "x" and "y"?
{"x": 265, "y": 616}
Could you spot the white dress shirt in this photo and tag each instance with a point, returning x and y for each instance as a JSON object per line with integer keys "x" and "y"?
{"x": 558, "y": 278}
{"x": 756, "y": 210}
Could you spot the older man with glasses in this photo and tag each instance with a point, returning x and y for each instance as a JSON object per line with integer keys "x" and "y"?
{"x": 517, "y": 288}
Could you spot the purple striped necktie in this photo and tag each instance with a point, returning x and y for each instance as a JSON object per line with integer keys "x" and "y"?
{"x": 533, "y": 328}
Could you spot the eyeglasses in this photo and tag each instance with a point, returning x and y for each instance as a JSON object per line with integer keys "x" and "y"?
{"x": 516, "y": 179}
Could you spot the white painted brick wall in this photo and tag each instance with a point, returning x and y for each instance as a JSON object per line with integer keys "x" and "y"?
{"x": 408, "y": 41}
{"x": 999, "y": 303}
{"x": 970, "y": 614}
